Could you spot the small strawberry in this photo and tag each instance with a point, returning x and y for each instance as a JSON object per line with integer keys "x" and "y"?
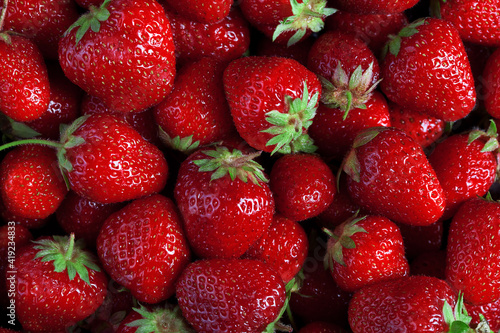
{"x": 126, "y": 58}
{"x": 303, "y": 186}
{"x": 143, "y": 248}
{"x": 491, "y": 84}
{"x": 411, "y": 304}
{"x": 31, "y": 184}
{"x": 272, "y": 101}
{"x": 427, "y": 73}
{"x": 58, "y": 284}
{"x": 283, "y": 247}
{"x": 238, "y": 295}
{"x": 390, "y": 175}
{"x": 472, "y": 265}
{"x": 196, "y": 112}
{"x": 205, "y": 11}
{"x": 466, "y": 166}
{"x": 353, "y": 252}
{"x": 224, "y": 200}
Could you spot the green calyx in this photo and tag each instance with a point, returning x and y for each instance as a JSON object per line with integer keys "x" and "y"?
{"x": 15, "y": 129}
{"x": 67, "y": 254}
{"x": 233, "y": 163}
{"x": 337, "y": 243}
{"x": 309, "y": 14}
{"x": 3, "y": 13}
{"x": 160, "y": 320}
{"x": 458, "y": 320}
{"x": 91, "y": 20}
{"x": 394, "y": 44}
{"x": 290, "y": 127}
{"x": 491, "y": 137}
{"x": 184, "y": 145}
{"x": 346, "y": 92}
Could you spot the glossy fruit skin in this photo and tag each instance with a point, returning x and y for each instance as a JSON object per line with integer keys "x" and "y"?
{"x": 238, "y": 295}
{"x": 47, "y": 301}
{"x": 265, "y": 12}
{"x": 283, "y": 247}
{"x": 396, "y": 179}
{"x": 256, "y": 85}
{"x": 31, "y": 184}
{"x": 334, "y": 135}
{"x": 476, "y": 21}
{"x": 363, "y": 264}
{"x": 205, "y": 11}
{"x": 143, "y": 248}
{"x": 7, "y": 216}
{"x": 409, "y": 304}
{"x": 471, "y": 262}
{"x": 463, "y": 171}
{"x": 222, "y": 218}
{"x": 490, "y": 311}
{"x": 408, "y": 80}
{"x": 373, "y": 6}
{"x": 110, "y": 64}
{"x": 303, "y": 186}
{"x": 115, "y": 163}
{"x": 24, "y": 83}
{"x": 491, "y": 89}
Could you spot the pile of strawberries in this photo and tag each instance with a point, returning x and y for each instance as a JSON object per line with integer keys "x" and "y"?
{"x": 252, "y": 166}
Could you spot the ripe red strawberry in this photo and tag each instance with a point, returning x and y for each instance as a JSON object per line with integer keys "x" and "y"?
{"x": 476, "y": 21}
{"x": 466, "y": 166}
{"x": 491, "y": 88}
{"x": 7, "y": 216}
{"x": 205, "y": 11}
{"x": 143, "y": 248}
{"x": 411, "y": 304}
{"x": 283, "y": 247}
{"x": 196, "y": 112}
{"x": 58, "y": 284}
{"x": 424, "y": 129}
{"x": 321, "y": 327}
{"x": 156, "y": 319}
{"x": 238, "y": 295}
{"x": 390, "y": 175}
{"x": 272, "y": 101}
{"x": 286, "y": 21}
{"x": 224, "y": 200}
{"x": 426, "y": 69}
{"x": 472, "y": 265}
{"x": 490, "y": 312}
{"x": 353, "y": 252}
{"x": 303, "y": 186}
{"x": 373, "y": 6}
{"x": 126, "y": 59}
{"x": 42, "y": 21}
{"x": 24, "y": 82}
{"x": 31, "y": 184}
{"x": 226, "y": 40}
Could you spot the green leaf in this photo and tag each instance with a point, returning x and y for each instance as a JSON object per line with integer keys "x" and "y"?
{"x": 22, "y": 130}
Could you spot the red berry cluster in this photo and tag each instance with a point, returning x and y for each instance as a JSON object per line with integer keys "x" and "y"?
{"x": 249, "y": 166}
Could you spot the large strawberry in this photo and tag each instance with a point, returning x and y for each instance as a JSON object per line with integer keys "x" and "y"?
{"x": 238, "y": 295}
{"x": 224, "y": 200}
{"x": 58, "y": 283}
{"x": 390, "y": 175}
{"x": 273, "y": 101}
{"x": 426, "y": 69}
{"x": 126, "y": 58}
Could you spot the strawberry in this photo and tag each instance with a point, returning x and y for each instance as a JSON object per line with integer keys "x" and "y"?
{"x": 373, "y": 6}
{"x": 283, "y": 247}
{"x": 424, "y": 129}
{"x": 429, "y": 74}
{"x": 224, "y": 200}
{"x": 321, "y": 327}
{"x": 390, "y": 175}
{"x": 143, "y": 248}
{"x": 157, "y": 319}
{"x": 408, "y": 304}
{"x": 286, "y": 21}
{"x": 353, "y": 252}
{"x": 42, "y": 21}
{"x": 476, "y": 21}
{"x": 491, "y": 88}
{"x": 490, "y": 312}
{"x": 226, "y": 40}
{"x": 272, "y": 101}
{"x": 128, "y": 55}
{"x": 238, "y": 295}
{"x": 466, "y": 166}
{"x": 196, "y": 112}
{"x": 303, "y": 186}
{"x": 7, "y": 216}
{"x": 24, "y": 81}
{"x": 472, "y": 265}
{"x": 31, "y": 184}
{"x": 206, "y": 11}
{"x": 58, "y": 284}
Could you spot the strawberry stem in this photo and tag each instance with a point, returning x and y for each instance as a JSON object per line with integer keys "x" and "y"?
{"x": 30, "y": 141}
{"x": 71, "y": 246}
{"x": 3, "y": 13}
